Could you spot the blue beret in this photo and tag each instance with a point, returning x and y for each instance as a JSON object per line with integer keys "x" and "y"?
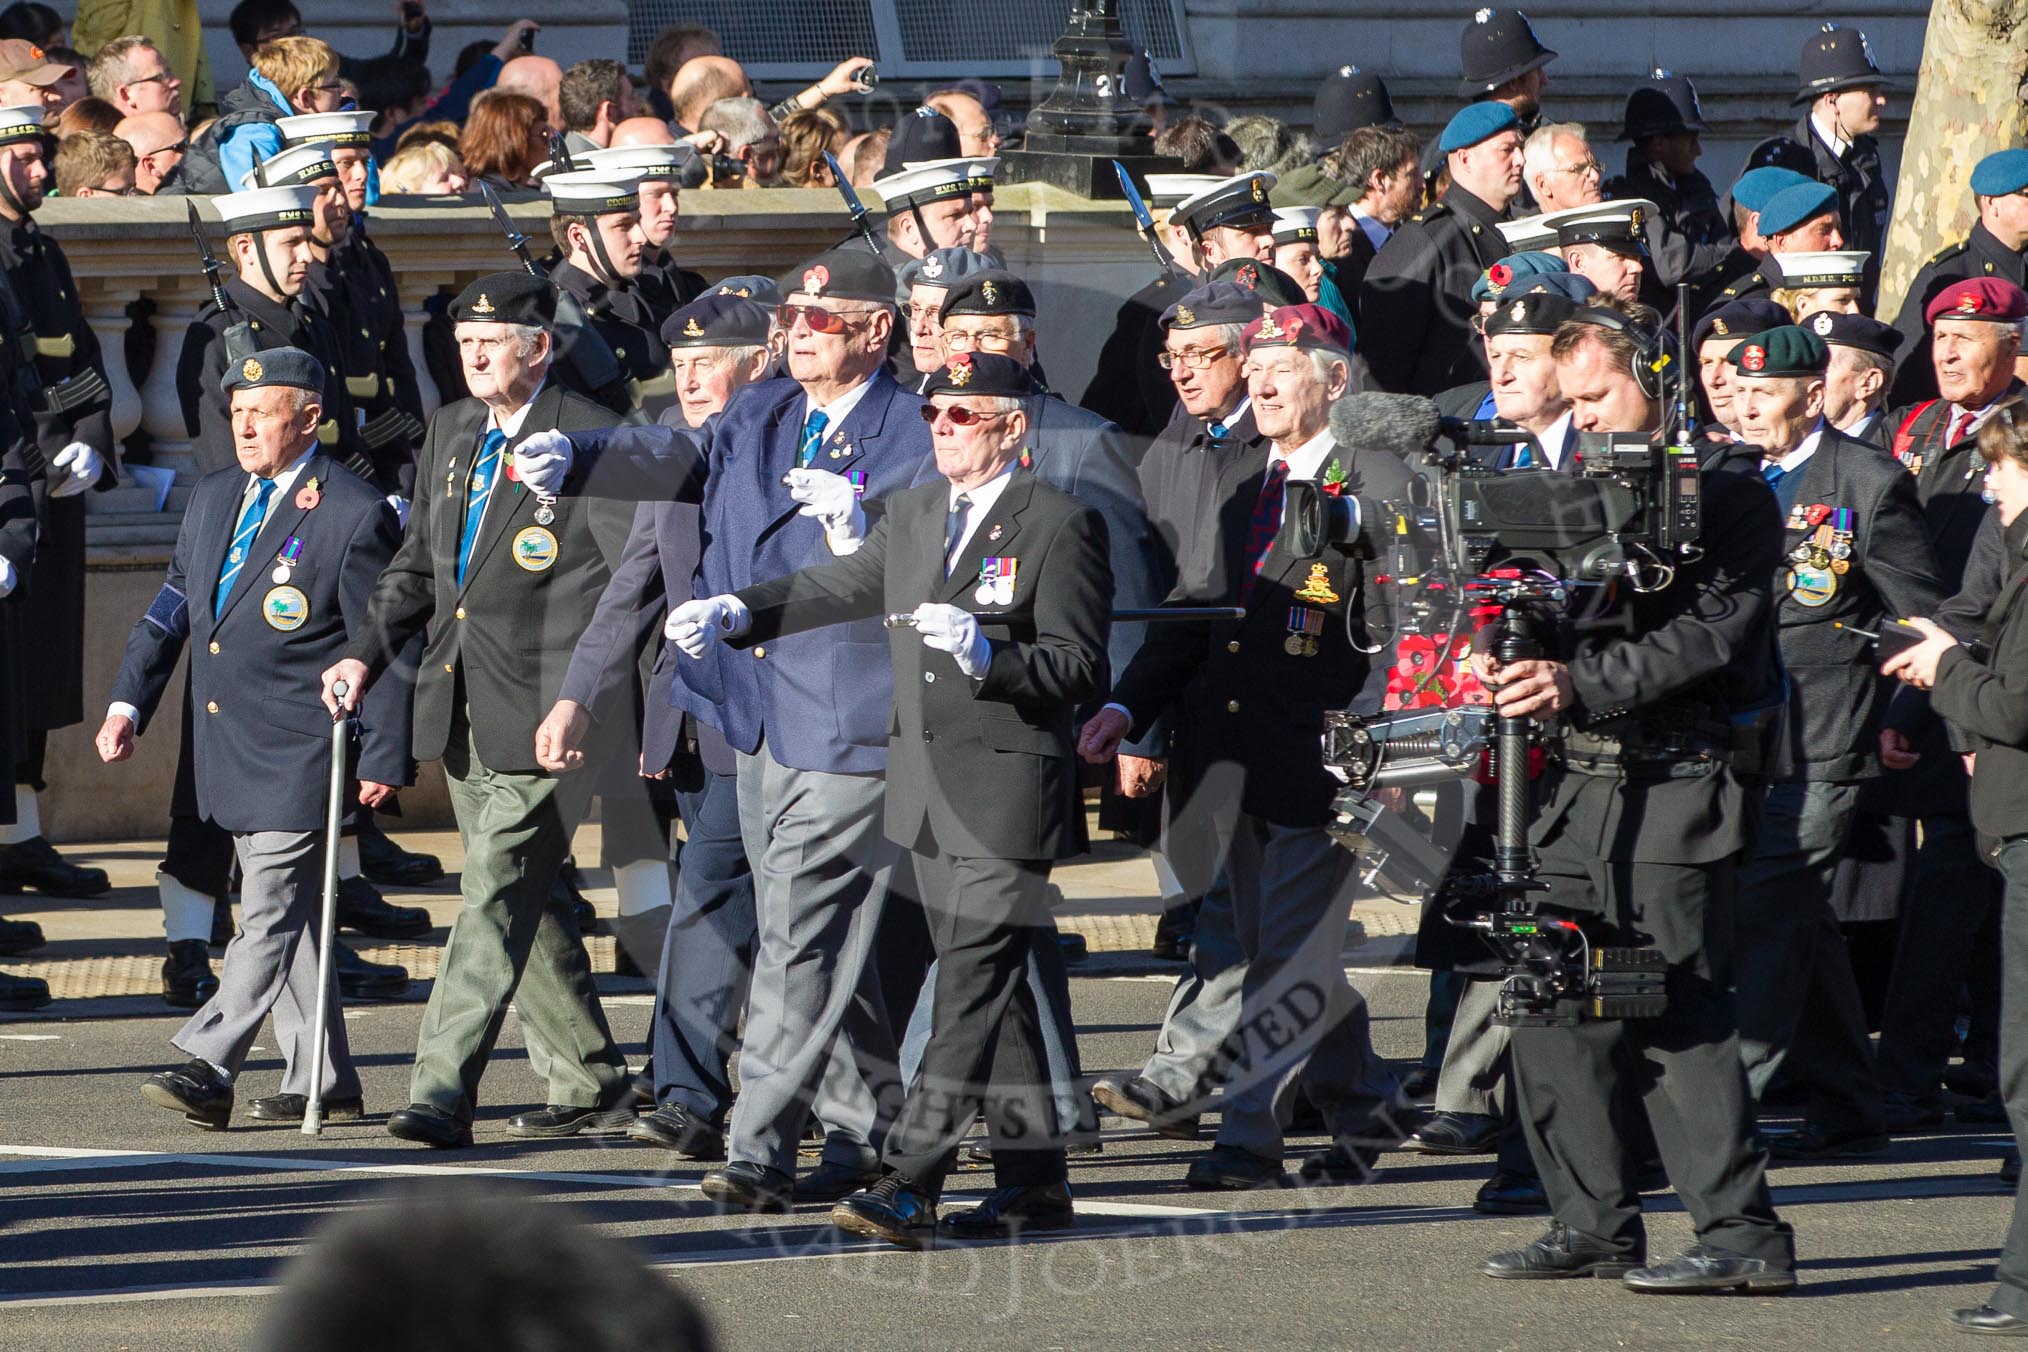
{"x": 943, "y": 267}
{"x": 290, "y": 366}
{"x": 751, "y": 286}
{"x": 2000, "y": 173}
{"x": 1792, "y": 206}
{"x": 1476, "y": 122}
{"x": 717, "y": 320}
{"x": 1569, "y": 285}
{"x": 1756, "y": 186}
{"x": 1509, "y": 272}
{"x": 1213, "y": 303}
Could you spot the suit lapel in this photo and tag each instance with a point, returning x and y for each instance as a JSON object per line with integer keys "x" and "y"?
{"x": 283, "y": 518}
{"x": 215, "y": 537}
{"x": 994, "y": 537}
{"x": 510, "y": 505}
{"x": 457, "y": 444}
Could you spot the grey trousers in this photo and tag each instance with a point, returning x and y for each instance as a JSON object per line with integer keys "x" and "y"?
{"x": 1796, "y": 991}
{"x": 816, "y": 1038}
{"x": 1204, "y": 1007}
{"x": 271, "y": 966}
{"x": 1474, "y": 1077}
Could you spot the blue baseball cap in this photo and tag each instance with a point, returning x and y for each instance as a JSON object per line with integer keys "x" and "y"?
{"x": 1793, "y": 205}
{"x": 1476, "y": 122}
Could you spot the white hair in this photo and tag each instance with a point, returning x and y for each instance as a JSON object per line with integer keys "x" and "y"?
{"x": 1538, "y": 152}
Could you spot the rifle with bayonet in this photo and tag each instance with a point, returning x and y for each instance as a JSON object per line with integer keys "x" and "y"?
{"x": 1144, "y": 220}
{"x": 238, "y": 338}
{"x": 853, "y": 206}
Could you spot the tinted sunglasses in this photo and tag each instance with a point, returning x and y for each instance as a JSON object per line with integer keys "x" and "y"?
{"x": 959, "y": 415}
{"x": 819, "y": 319}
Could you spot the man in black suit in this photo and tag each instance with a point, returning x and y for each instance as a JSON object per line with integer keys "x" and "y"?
{"x": 989, "y": 672}
{"x": 1250, "y": 696}
{"x": 1858, "y": 553}
{"x": 1638, "y": 824}
{"x": 504, "y": 580}
{"x": 273, "y": 565}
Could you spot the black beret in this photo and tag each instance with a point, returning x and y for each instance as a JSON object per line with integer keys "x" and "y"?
{"x": 980, "y": 373}
{"x": 1537, "y": 312}
{"x": 1786, "y": 351}
{"x": 1861, "y": 331}
{"x": 1271, "y": 284}
{"x": 290, "y": 366}
{"x": 506, "y": 298}
{"x": 843, "y": 274}
{"x": 714, "y": 320}
{"x": 992, "y": 292}
{"x": 1213, "y": 303}
{"x": 1748, "y": 314}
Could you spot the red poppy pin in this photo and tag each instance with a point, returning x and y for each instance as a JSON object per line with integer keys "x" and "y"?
{"x": 815, "y": 279}
{"x": 1754, "y": 358}
{"x": 1500, "y": 274}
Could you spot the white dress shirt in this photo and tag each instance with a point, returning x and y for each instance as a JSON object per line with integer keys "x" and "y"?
{"x": 835, "y": 413}
{"x": 1837, "y": 144}
{"x": 982, "y": 499}
{"x": 1805, "y": 448}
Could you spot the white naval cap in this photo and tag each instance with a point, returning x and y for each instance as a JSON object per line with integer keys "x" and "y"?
{"x": 20, "y": 124}
{"x": 1166, "y": 190}
{"x": 344, "y": 129}
{"x": 1528, "y": 235}
{"x": 919, "y": 184}
{"x": 594, "y": 192}
{"x": 1806, "y": 270}
{"x": 265, "y": 208}
{"x": 1293, "y": 225}
{"x": 644, "y": 162}
{"x": 292, "y": 167}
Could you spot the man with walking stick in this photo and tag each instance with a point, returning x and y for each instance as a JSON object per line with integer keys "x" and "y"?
{"x": 270, "y": 577}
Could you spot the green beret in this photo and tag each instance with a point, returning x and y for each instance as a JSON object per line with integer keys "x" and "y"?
{"x": 1786, "y": 351}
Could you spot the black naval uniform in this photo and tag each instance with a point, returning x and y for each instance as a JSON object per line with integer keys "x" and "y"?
{"x": 378, "y": 372}
{"x": 627, "y": 317}
{"x": 1641, "y": 818}
{"x": 1978, "y": 254}
{"x": 668, "y": 285}
{"x": 1417, "y": 297}
{"x": 296, "y": 323}
{"x": 1859, "y": 179}
{"x": 1690, "y": 238}
{"x": 1130, "y": 388}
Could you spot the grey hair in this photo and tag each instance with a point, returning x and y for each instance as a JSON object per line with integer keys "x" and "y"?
{"x": 1322, "y": 359}
{"x": 524, "y": 338}
{"x": 1874, "y": 361}
{"x": 742, "y": 120}
{"x": 732, "y": 352}
{"x": 1538, "y": 152}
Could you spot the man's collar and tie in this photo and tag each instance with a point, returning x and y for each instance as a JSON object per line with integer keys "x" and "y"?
{"x": 1218, "y": 429}
{"x": 1307, "y": 460}
{"x": 1780, "y": 473}
{"x": 968, "y": 507}
{"x": 256, "y": 498}
{"x": 821, "y": 421}
{"x": 1374, "y": 229}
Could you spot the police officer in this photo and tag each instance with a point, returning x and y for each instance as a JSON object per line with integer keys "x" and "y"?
{"x": 1639, "y": 819}
{"x": 1349, "y": 98}
{"x": 1858, "y": 554}
{"x": 70, "y": 408}
{"x": 597, "y": 227}
{"x": 1844, "y": 92}
{"x": 1501, "y": 59}
{"x": 1663, "y": 123}
{"x": 1417, "y": 292}
{"x": 1996, "y": 246}
{"x": 504, "y": 580}
{"x": 273, "y": 565}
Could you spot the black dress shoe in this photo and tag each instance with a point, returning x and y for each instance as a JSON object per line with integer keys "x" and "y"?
{"x": 19, "y": 936}
{"x": 1341, "y": 1163}
{"x": 1506, "y": 1194}
{"x": 386, "y": 863}
{"x": 643, "y": 1087}
{"x": 2010, "y": 1168}
{"x": 564, "y": 1119}
{"x": 363, "y": 980}
{"x": 187, "y": 980}
{"x": 894, "y": 1209}
{"x": 1420, "y": 1084}
{"x": 222, "y": 928}
{"x": 363, "y": 910}
{"x": 1145, "y": 1101}
{"x": 1988, "y": 1111}
{"x": 1012, "y": 1211}
{"x": 674, "y": 1127}
{"x": 828, "y": 1182}
{"x": 1074, "y": 946}
{"x": 291, "y": 1107}
{"x": 35, "y": 864}
{"x": 745, "y": 1186}
{"x": 1560, "y": 1254}
{"x": 429, "y": 1126}
{"x": 1704, "y": 1267}
{"x": 19, "y": 994}
{"x": 1174, "y": 929}
{"x": 979, "y": 1149}
{"x": 1812, "y": 1142}
{"x": 1229, "y": 1168}
{"x": 1987, "y": 1320}
{"x": 194, "y": 1089}
{"x": 1904, "y": 1114}
{"x": 1971, "y": 1079}
{"x": 1455, "y": 1134}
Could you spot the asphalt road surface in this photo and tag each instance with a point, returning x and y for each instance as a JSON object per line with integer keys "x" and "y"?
{"x": 120, "y": 1227}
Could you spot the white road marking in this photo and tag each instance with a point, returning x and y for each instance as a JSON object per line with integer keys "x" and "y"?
{"x": 31, "y": 1037}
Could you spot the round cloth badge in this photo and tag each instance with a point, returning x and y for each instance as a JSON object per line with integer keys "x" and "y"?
{"x": 285, "y": 608}
{"x": 1811, "y": 587}
{"x": 535, "y": 550}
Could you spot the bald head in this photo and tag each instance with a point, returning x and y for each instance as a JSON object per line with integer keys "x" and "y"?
{"x": 153, "y": 138}
{"x": 539, "y": 78}
{"x": 643, "y": 131}
{"x": 703, "y": 81}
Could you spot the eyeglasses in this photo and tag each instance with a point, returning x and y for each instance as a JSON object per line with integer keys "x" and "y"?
{"x": 148, "y": 79}
{"x": 179, "y": 148}
{"x": 1196, "y": 358}
{"x": 959, "y": 415}
{"x": 819, "y": 319}
{"x": 333, "y": 87}
{"x": 129, "y": 191}
{"x": 1581, "y": 168}
{"x": 916, "y": 313}
{"x": 964, "y": 340}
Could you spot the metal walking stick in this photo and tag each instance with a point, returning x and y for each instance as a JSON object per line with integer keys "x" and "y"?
{"x": 327, "y": 919}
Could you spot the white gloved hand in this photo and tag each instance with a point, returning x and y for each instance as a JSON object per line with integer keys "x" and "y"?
{"x": 81, "y": 466}
{"x": 8, "y": 577}
{"x": 834, "y": 502}
{"x": 400, "y": 505}
{"x": 951, "y": 630}
{"x": 542, "y": 462}
{"x": 695, "y": 625}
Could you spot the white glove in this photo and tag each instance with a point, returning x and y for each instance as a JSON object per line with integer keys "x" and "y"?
{"x": 8, "y": 577}
{"x": 400, "y": 505}
{"x": 834, "y": 502}
{"x": 695, "y": 625}
{"x": 542, "y": 462}
{"x": 954, "y": 631}
{"x": 82, "y": 467}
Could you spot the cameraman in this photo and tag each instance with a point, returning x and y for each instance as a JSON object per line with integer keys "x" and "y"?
{"x": 1641, "y": 821}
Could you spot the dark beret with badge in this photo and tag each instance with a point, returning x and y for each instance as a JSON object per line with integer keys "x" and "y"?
{"x": 1477, "y": 122}
{"x": 1861, "y": 331}
{"x": 506, "y": 298}
{"x": 1239, "y": 201}
{"x": 843, "y": 274}
{"x": 1572, "y": 286}
{"x": 275, "y": 366}
{"x": 1269, "y": 283}
{"x": 1992, "y": 299}
{"x": 760, "y": 290}
{"x": 1748, "y": 314}
{"x": 714, "y": 320}
{"x": 986, "y": 373}
{"x": 992, "y": 292}
{"x": 1212, "y": 304}
{"x": 1495, "y": 281}
{"x": 1498, "y": 45}
{"x": 1299, "y": 326}
{"x": 944, "y": 267}
{"x": 1787, "y": 352}
{"x": 1534, "y": 312}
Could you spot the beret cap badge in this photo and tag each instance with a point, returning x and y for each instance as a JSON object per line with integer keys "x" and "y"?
{"x": 1185, "y": 315}
{"x": 1719, "y": 326}
{"x": 249, "y": 369}
{"x": 1970, "y": 303}
{"x": 483, "y": 305}
{"x": 1822, "y": 323}
{"x": 990, "y": 292}
{"x": 815, "y": 279}
{"x": 1754, "y": 358}
{"x": 692, "y": 329}
{"x": 960, "y": 372}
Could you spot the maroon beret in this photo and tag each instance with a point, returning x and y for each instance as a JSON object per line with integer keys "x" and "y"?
{"x": 1298, "y": 326}
{"x": 1992, "y": 298}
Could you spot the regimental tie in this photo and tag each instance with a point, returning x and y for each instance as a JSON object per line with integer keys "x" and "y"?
{"x": 813, "y": 437}
{"x": 1266, "y": 523}
{"x": 954, "y": 529}
{"x": 250, "y": 519}
{"x": 479, "y": 487}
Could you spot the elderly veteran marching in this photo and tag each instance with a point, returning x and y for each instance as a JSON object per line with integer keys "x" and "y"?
{"x": 272, "y": 570}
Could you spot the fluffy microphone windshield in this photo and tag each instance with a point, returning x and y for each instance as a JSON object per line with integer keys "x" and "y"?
{"x": 1404, "y": 424}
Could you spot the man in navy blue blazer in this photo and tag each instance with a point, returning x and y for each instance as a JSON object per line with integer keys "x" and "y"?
{"x": 272, "y": 569}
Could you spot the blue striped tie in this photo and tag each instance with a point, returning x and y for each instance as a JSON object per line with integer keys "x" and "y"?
{"x": 813, "y": 437}
{"x": 242, "y": 541}
{"x": 478, "y": 488}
